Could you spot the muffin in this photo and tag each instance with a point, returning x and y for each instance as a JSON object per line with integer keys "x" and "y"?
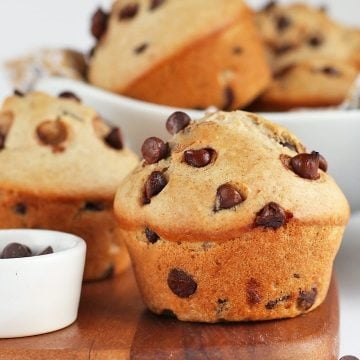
{"x": 311, "y": 83}
{"x": 61, "y": 165}
{"x": 231, "y": 220}
{"x": 180, "y": 53}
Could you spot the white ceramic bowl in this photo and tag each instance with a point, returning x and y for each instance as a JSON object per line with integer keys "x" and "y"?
{"x": 335, "y": 134}
{"x": 40, "y": 294}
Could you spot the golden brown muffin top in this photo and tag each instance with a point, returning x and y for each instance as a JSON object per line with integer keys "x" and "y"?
{"x": 224, "y": 175}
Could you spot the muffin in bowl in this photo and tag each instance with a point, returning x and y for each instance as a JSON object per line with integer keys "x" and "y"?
{"x": 231, "y": 220}
{"x": 61, "y": 165}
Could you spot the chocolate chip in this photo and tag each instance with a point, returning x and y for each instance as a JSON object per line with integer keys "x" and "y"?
{"x": 331, "y": 71}
{"x": 227, "y": 197}
{"x": 177, "y": 122}
{"x": 69, "y": 95}
{"x": 93, "y": 206}
{"x": 199, "y": 158}
{"x": 15, "y": 250}
{"x": 349, "y": 357}
{"x": 272, "y": 303}
{"x": 46, "y": 251}
{"x": 181, "y": 283}
{"x": 154, "y": 4}
{"x": 271, "y": 215}
{"x": 229, "y": 98}
{"x": 128, "y": 11}
{"x": 91, "y": 52}
{"x": 18, "y": 93}
{"x": 154, "y": 185}
{"x": 237, "y": 50}
{"x": 315, "y": 40}
{"x": 282, "y": 22}
{"x": 283, "y": 49}
{"x": 306, "y": 165}
{"x": 2, "y": 141}
{"x": 152, "y": 236}
{"x": 154, "y": 149}
{"x": 99, "y": 22}
{"x": 323, "y": 165}
{"x": 114, "y": 139}
{"x": 306, "y": 299}
{"x": 20, "y": 209}
{"x": 284, "y": 71}
{"x": 168, "y": 313}
{"x": 52, "y": 132}
{"x": 253, "y": 292}
{"x": 269, "y": 5}
{"x": 141, "y": 48}
{"x": 296, "y": 276}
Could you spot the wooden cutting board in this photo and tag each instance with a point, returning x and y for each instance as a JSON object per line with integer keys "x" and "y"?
{"x": 114, "y": 324}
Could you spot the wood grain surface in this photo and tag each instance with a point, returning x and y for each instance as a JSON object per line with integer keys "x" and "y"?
{"x": 114, "y": 324}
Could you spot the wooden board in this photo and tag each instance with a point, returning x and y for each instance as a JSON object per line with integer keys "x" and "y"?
{"x": 114, "y": 324}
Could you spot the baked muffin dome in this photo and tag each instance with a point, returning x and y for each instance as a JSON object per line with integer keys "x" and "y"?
{"x": 61, "y": 165}
{"x": 181, "y": 53}
{"x": 235, "y": 221}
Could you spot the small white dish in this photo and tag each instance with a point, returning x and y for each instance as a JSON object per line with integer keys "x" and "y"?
{"x": 40, "y": 294}
{"x": 334, "y": 133}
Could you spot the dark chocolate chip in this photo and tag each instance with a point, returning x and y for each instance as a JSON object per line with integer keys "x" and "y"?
{"x": 93, "y": 206}
{"x": 154, "y": 4}
{"x": 272, "y": 303}
{"x": 141, "y": 48}
{"x": 52, "y": 132}
{"x": 349, "y": 357}
{"x": 306, "y": 299}
{"x": 323, "y": 165}
{"x": 114, "y": 139}
{"x": 18, "y": 93}
{"x": 154, "y": 185}
{"x": 227, "y": 197}
{"x": 284, "y": 48}
{"x": 177, "y": 122}
{"x": 69, "y": 95}
{"x": 237, "y": 50}
{"x": 199, "y": 158}
{"x": 315, "y": 40}
{"x": 229, "y": 98}
{"x": 284, "y": 71}
{"x": 2, "y": 141}
{"x": 20, "y": 209}
{"x": 306, "y": 165}
{"x": 271, "y": 215}
{"x": 181, "y": 283}
{"x": 15, "y": 250}
{"x": 268, "y": 6}
{"x": 282, "y": 22}
{"x": 46, "y": 251}
{"x": 152, "y": 236}
{"x": 331, "y": 71}
{"x": 296, "y": 276}
{"x": 253, "y": 292}
{"x": 168, "y": 313}
{"x": 154, "y": 150}
{"x": 128, "y": 11}
{"x": 99, "y": 22}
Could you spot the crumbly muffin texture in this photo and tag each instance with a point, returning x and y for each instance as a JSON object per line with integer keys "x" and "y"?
{"x": 231, "y": 220}
{"x": 61, "y": 165}
{"x": 145, "y": 50}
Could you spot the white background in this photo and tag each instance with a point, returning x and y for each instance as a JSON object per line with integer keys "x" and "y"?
{"x": 28, "y": 24}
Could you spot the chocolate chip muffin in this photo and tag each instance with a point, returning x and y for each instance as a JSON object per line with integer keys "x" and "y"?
{"x": 180, "y": 53}
{"x": 60, "y": 167}
{"x": 311, "y": 83}
{"x": 231, "y": 220}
